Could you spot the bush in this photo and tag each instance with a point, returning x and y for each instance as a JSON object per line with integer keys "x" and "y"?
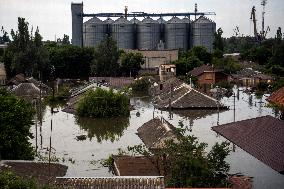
{"x": 103, "y": 103}
{"x": 141, "y": 85}
{"x": 15, "y": 122}
{"x": 10, "y": 180}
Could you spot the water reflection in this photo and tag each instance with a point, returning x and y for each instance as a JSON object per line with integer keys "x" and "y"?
{"x": 108, "y": 129}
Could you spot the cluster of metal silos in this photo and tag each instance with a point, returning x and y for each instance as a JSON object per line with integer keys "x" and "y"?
{"x": 176, "y": 33}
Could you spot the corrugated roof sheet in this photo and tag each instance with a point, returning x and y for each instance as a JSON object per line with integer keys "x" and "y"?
{"x": 135, "y": 166}
{"x": 149, "y": 20}
{"x": 203, "y": 19}
{"x": 108, "y": 21}
{"x": 262, "y": 137}
{"x": 277, "y": 97}
{"x": 174, "y": 20}
{"x": 26, "y": 90}
{"x": 155, "y": 132}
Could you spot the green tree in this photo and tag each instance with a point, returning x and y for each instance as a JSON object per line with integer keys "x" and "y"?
{"x": 201, "y": 53}
{"x": 106, "y": 56}
{"x": 131, "y": 63}
{"x": 15, "y": 122}
{"x": 65, "y": 40}
{"x": 228, "y": 64}
{"x": 103, "y": 103}
{"x": 5, "y": 37}
{"x": 218, "y": 40}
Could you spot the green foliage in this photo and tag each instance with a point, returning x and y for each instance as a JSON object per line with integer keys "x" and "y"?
{"x": 141, "y": 85}
{"x": 103, "y": 103}
{"x": 105, "y": 62}
{"x": 69, "y": 61}
{"x": 218, "y": 40}
{"x": 228, "y": 64}
{"x": 9, "y": 180}
{"x": 201, "y": 53}
{"x": 5, "y": 37}
{"x": 188, "y": 166}
{"x": 15, "y": 122}
{"x": 25, "y": 54}
{"x": 131, "y": 63}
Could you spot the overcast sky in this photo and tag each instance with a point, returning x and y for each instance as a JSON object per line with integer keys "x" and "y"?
{"x": 53, "y": 17}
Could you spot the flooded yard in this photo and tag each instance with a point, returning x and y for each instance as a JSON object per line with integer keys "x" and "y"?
{"x": 105, "y": 136}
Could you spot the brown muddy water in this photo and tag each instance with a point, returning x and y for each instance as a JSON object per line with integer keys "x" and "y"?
{"x": 105, "y": 136}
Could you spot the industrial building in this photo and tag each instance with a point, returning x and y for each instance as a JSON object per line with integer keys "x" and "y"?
{"x": 151, "y": 33}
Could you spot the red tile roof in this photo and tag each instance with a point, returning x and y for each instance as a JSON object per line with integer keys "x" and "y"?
{"x": 262, "y": 137}
{"x": 277, "y": 97}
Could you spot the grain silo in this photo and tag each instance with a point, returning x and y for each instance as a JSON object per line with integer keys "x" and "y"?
{"x": 108, "y": 21}
{"x": 94, "y": 31}
{"x": 162, "y": 22}
{"x": 176, "y": 35}
{"x": 202, "y": 33}
{"x": 122, "y": 31}
{"x": 148, "y": 34}
{"x": 187, "y": 21}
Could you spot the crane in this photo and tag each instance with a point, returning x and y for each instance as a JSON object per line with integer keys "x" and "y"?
{"x": 252, "y": 17}
{"x": 263, "y": 3}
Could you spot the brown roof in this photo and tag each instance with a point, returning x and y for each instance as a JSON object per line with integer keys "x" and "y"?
{"x": 155, "y": 132}
{"x": 262, "y": 137}
{"x": 135, "y": 166}
{"x": 277, "y": 97}
{"x": 201, "y": 69}
{"x": 17, "y": 79}
{"x": 154, "y": 182}
{"x": 40, "y": 170}
{"x": 185, "y": 97}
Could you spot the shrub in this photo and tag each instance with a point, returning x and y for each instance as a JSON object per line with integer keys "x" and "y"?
{"x": 141, "y": 85}
{"x": 103, "y": 103}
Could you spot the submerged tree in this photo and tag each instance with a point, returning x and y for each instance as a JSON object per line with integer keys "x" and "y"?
{"x": 103, "y": 103}
{"x": 15, "y": 122}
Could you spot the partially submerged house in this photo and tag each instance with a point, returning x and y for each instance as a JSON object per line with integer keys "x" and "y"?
{"x": 28, "y": 91}
{"x": 277, "y": 98}
{"x": 182, "y": 96}
{"x": 262, "y": 137}
{"x": 250, "y": 77}
{"x": 155, "y": 132}
{"x": 135, "y": 166}
{"x": 167, "y": 71}
{"x": 208, "y": 75}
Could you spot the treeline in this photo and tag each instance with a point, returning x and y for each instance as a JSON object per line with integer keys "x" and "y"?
{"x": 28, "y": 54}
{"x": 269, "y": 53}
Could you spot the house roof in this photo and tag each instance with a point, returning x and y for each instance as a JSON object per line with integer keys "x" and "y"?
{"x": 155, "y": 132}
{"x": 185, "y": 97}
{"x": 262, "y": 137}
{"x": 40, "y": 170}
{"x": 134, "y": 166}
{"x": 17, "y": 79}
{"x": 151, "y": 182}
{"x": 201, "y": 69}
{"x": 26, "y": 90}
{"x": 277, "y": 97}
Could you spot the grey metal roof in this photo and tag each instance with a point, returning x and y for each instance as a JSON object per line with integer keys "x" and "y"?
{"x": 108, "y": 21}
{"x": 121, "y": 20}
{"x": 186, "y": 20}
{"x": 174, "y": 20}
{"x": 149, "y": 20}
{"x": 135, "y": 21}
{"x": 94, "y": 20}
{"x": 161, "y": 20}
{"x": 203, "y": 19}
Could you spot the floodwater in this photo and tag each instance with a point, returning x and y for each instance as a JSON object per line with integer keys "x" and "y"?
{"x": 105, "y": 136}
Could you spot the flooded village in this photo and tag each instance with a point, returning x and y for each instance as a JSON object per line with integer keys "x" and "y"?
{"x": 117, "y": 107}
